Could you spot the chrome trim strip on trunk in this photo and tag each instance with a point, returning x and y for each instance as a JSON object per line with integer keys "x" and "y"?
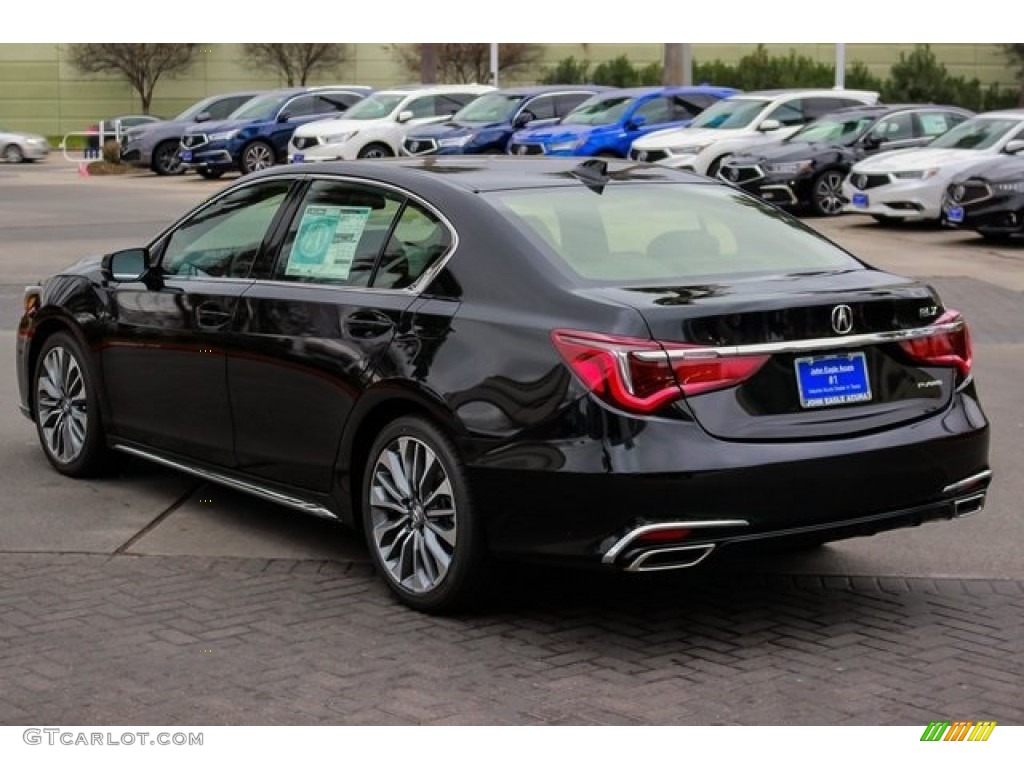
{"x": 802, "y": 345}
{"x": 616, "y": 549}
{"x": 239, "y": 485}
{"x": 968, "y": 482}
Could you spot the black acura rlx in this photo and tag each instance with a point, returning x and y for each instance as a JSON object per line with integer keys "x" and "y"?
{"x": 989, "y": 198}
{"x": 606, "y": 363}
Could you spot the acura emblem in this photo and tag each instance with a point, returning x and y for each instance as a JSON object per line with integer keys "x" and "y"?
{"x": 732, "y": 173}
{"x": 842, "y": 319}
{"x": 642, "y": 156}
{"x": 521, "y": 149}
{"x": 958, "y": 192}
{"x": 860, "y": 181}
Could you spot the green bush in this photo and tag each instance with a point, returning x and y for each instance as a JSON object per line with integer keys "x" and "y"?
{"x": 567, "y": 72}
{"x": 920, "y": 77}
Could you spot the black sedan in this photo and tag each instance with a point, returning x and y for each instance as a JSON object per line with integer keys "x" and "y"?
{"x": 604, "y": 363}
{"x": 806, "y": 170}
{"x": 989, "y": 198}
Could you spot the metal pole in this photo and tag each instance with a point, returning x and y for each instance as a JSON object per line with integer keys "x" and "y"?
{"x": 687, "y": 63}
{"x": 840, "y": 65}
{"x": 494, "y": 64}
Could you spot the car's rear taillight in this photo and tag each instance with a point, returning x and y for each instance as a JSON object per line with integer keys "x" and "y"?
{"x": 949, "y": 347}
{"x": 641, "y": 375}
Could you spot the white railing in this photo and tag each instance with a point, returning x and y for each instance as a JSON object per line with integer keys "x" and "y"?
{"x": 88, "y": 152}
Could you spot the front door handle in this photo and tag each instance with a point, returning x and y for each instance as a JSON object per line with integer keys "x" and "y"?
{"x": 211, "y": 315}
{"x": 368, "y": 324}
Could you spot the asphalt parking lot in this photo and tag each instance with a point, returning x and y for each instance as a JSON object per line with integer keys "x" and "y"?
{"x": 152, "y": 597}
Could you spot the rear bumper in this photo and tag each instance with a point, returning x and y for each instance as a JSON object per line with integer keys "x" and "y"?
{"x": 584, "y": 496}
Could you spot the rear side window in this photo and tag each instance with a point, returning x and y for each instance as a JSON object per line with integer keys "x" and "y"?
{"x": 542, "y": 108}
{"x": 567, "y": 102}
{"x": 664, "y": 232}
{"x": 337, "y": 234}
{"x": 934, "y": 124}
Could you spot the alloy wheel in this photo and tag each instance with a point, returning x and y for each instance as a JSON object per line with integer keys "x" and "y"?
{"x": 13, "y": 154}
{"x": 62, "y": 405}
{"x": 257, "y": 157}
{"x": 413, "y": 515}
{"x": 828, "y": 195}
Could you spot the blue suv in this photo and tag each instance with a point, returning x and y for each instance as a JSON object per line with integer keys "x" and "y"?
{"x": 608, "y": 123}
{"x": 484, "y": 126}
{"x": 256, "y": 135}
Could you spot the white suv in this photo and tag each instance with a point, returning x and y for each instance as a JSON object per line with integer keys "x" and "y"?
{"x": 739, "y": 122}
{"x": 376, "y": 126}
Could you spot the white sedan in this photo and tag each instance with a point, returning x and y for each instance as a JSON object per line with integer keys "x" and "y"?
{"x": 907, "y": 185}
{"x": 377, "y": 125}
{"x": 19, "y": 147}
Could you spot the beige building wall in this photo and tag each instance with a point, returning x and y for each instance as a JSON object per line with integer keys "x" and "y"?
{"x": 41, "y": 92}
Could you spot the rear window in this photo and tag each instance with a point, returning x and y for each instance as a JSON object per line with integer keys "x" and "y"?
{"x": 644, "y": 232}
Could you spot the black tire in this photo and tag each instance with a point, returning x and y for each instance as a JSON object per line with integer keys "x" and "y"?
{"x": 826, "y": 193}
{"x": 404, "y": 531}
{"x": 716, "y": 166}
{"x": 256, "y": 156}
{"x": 375, "y": 151}
{"x": 165, "y": 160}
{"x": 13, "y": 154}
{"x": 209, "y": 173}
{"x": 607, "y": 154}
{"x": 69, "y": 425}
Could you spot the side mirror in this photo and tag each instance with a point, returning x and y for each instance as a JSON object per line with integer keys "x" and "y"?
{"x": 128, "y": 266}
{"x": 872, "y": 141}
{"x": 635, "y": 122}
{"x": 202, "y": 117}
{"x": 1013, "y": 147}
{"x": 524, "y": 118}
{"x": 284, "y": 117}
{"x": 405, "y": 116}
{"x": 769, "y": 125}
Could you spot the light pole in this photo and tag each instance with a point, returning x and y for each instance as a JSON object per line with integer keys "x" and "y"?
{"x": 840, "y": 65}
{"x": 494, "y": 64}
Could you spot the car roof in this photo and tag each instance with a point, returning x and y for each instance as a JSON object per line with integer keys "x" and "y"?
{"x": 885, "y": 109}
{"x": 537, "y": 90}
{"x": 1017, "y": 114}
{"x": 485, "y": 173}
{"x": 438, "y": 88}
{"x": 774, "y": 93}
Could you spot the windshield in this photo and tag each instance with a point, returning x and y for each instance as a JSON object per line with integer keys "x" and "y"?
{"x": 834, "y": 130}
{"x": 730, "y": 113}
{"x": 490, "y": 108}
{"x": 600, "y": 110}
{"x": 665, "y": 232}
{"x": 375, "y": 107}
{"x": 976, "y": 134}
{"x": 260, "y": 108}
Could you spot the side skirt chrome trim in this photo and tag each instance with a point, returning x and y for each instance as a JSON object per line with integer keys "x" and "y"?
{"x": 619, "y": 546}
{"x": 968, "y": 482}
{"x": 239, "y": 485}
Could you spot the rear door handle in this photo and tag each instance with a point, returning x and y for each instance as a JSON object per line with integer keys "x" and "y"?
{"x": 367, "y": 324}
{"x": 211, "y": 315}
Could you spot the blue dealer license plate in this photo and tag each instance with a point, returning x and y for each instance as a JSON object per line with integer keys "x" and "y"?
{"x": 832, "y": 380}
{"x": 861, "y": 201}
{"x": 298, "y": 157}
{"x": 185, "y": 155}
{"x": 955, "y": 215}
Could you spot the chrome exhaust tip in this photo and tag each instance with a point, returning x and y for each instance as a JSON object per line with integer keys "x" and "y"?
{"x": 969, "y": 505}
{"x": 671, "y": 558}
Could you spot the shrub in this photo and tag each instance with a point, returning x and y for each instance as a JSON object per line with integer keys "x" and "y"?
{"x": 112, "y": 152}
{"x": 568, "y": 71}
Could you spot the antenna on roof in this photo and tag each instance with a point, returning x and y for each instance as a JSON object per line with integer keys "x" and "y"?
{"x": 593, "y": 173}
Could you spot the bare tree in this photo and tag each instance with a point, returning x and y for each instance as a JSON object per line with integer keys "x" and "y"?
{"x": 141, "y": 64}
{"x": 467, "y": 62}
{"x": 296, "y": 62}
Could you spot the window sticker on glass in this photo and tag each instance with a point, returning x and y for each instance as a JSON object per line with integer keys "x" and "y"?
{"x": 326, "y": 242}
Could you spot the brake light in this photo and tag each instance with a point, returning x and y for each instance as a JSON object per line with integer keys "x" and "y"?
{"x": 949, "y": 349}
{"x": 641, "y": 375}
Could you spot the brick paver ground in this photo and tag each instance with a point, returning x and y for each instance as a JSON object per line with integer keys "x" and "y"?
{"x": 181, "y": 640}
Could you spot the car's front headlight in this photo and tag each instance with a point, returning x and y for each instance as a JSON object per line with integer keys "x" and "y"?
{"x": 337, "y": 138}
{"x": 566, "y": 146}
{"x": 927, "y": 173}
{"x": 687, "y": 149}
{"x": 1009, "y": 186}
{"x": 793, "y": 168}
{"x": 456, "y": 141}
{"x": 224, "y": 135}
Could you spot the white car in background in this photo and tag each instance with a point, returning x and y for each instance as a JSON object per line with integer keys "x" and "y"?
{"x": 907, "y": 185}
{"x": 376, "y": 126}
{"x": 735, "y": 124}
{"x": 16, "y": 147}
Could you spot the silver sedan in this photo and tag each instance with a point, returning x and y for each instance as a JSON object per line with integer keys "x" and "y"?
{"x": 18, "y": 147}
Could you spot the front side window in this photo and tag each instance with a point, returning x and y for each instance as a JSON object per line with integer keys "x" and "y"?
{"x": 542, "y": 108}
{"x": 657, "y": 110}
{"x": 665, "y": 232}
{"x": 978, "y": 133}
{"x": 260, "y": 108}
{"x": 600, "y": 110}
{"x": 567, "y": 102}
{"x": 300, "y": 107}
{"x": 934, "y": 124}
{"x": 834, "y": 130}
{"x": 375, "y": 107}
{"x": 421, "y": 107}
{"x": 895, "y": 128}
{"x": 730, "y": 113}
{"x": 491, "y": 108}
{"x": 788, "y": 113}
{"x": 221, "y": 109}
{"x": 223, "y": 239}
